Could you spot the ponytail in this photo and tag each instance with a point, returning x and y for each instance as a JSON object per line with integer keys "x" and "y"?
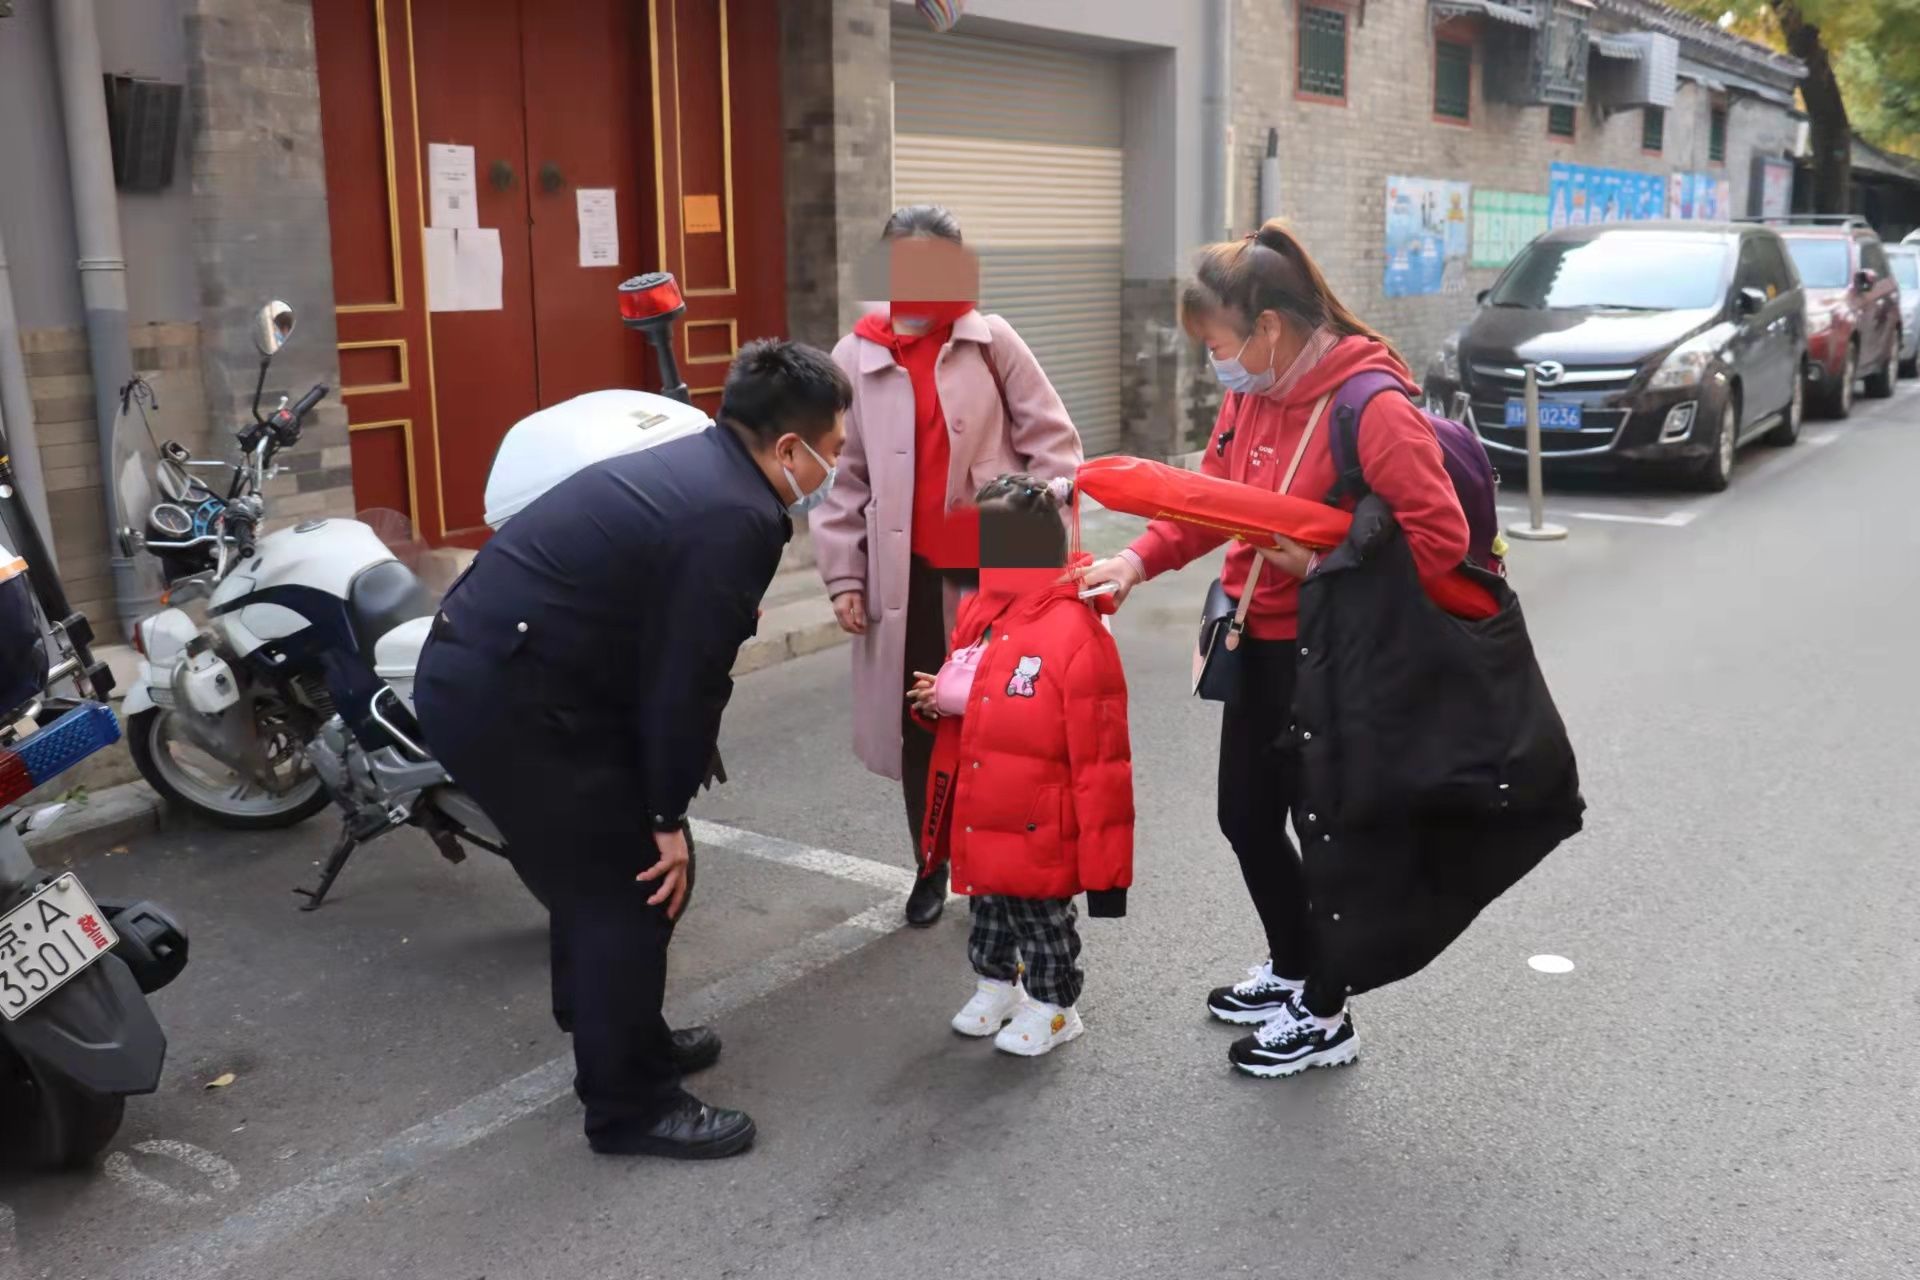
{"x": 1269, "y": 271}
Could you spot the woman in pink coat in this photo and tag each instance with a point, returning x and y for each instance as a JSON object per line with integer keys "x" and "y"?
{"x": 944, "y": 400}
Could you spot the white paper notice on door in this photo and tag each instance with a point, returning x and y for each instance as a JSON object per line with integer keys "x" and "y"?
{"x": 463, "y": 269}
{"x": 599, "y": 226}
{"x": 452, "y": 199}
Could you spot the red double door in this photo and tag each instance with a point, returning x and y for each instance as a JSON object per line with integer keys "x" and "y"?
{"x": 672, "y": 105}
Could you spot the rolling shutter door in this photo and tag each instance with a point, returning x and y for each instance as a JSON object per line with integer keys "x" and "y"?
{"x": 1023, "y": 144}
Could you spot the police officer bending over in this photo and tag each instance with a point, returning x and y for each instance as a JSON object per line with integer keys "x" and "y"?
{"x": 574, "y": 685}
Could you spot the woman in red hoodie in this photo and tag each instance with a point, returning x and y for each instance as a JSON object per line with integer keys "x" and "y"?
{"x": 1282, "y": 344}
{"x": 1030, "y": 790}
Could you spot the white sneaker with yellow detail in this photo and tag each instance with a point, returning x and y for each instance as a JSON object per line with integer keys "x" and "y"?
{"x": 1037, "y": 1027}
{"x": 992, "y": 1004}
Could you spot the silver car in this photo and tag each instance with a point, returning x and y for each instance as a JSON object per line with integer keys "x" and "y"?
{"x": 1906, "y": 270}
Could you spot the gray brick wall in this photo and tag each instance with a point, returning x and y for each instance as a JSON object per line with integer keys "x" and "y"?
{"x": 260, "y": 230}
{"x": 836, "y": 66}
{"x": 1334, "y": 160}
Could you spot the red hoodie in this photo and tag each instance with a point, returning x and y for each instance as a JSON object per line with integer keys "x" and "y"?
{"x": 1253, "y": 441}
{"x": 1031, "y": 790}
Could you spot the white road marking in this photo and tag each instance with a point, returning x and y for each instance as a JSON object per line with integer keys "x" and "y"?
{"x": 828, "y": 862}
{"x": 262, "y": 1225}
{"x": 1550, "y": 964}
{"x": 1673, "y": 520}
{"x": 219, "y": 1174}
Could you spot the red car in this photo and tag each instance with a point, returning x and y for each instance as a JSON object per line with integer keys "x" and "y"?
{"x": 1853, "y": 309}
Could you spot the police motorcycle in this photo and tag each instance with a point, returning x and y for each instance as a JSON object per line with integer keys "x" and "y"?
{"x": 296, "y": 688}
{"x": 77, "y": 1037}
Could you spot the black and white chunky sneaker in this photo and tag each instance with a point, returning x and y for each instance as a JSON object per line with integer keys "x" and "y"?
{"x": 1254, "y": 1001}
{"x": 1290, "y": 1044}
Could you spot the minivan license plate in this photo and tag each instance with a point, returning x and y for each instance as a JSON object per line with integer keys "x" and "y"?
{"x": 45, "y": 943}
{"x": 1554, "y": 416}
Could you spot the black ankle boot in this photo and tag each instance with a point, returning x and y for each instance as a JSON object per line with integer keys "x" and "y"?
{"x": 928, "y": 899}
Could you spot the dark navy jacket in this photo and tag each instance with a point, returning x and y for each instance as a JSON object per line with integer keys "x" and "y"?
{"x": 624, "y": 594}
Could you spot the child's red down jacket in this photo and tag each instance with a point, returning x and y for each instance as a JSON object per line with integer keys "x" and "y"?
{"x": 1031, "y": 791}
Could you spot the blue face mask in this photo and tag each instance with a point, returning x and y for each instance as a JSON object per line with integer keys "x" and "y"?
{"x": 805, "y": 502}
{"x": 1234, "y": 376}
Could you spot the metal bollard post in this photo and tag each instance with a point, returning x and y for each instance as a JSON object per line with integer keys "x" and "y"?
{"x": 1536, "y": 529}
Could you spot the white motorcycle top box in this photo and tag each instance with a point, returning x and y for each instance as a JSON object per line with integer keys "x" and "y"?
{"x": 546, "y": 447}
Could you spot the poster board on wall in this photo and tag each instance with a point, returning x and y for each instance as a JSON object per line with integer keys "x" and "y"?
{"x": 1426, "y": 236}
{"x": 1699, "y": 197}
{"x": 1771, "y": 192}
{"x": 1580, "y": 195}
{"x": 1504, "y": 223}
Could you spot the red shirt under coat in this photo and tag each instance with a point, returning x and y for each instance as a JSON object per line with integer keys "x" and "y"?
{"x": 944, "y": 539}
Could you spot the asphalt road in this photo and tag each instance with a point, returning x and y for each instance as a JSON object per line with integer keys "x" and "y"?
{"x": 1726, "y": 1085}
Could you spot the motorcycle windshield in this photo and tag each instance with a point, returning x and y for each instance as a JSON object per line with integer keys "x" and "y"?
{"x": 135, "y": 463}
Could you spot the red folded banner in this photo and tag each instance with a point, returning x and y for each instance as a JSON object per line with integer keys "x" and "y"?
{"x": 1160, "y": 492}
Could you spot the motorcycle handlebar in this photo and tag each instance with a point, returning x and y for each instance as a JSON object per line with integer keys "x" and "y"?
{"x": 312, "y": 398}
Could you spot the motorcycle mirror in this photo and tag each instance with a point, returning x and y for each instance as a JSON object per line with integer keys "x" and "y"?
{"x": 272, "y": 327}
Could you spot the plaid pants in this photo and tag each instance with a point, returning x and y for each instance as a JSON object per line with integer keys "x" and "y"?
{"x": 1036, "y": 931}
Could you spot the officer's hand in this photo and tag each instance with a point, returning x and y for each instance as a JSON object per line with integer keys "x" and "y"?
{"x": 670, "y": 871}
{"x": 850, "y": 609}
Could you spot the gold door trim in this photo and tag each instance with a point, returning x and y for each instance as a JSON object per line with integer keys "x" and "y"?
{"x": 433, "y": 394}
{"x": 733, "y": 340}
{"x": 404, "y": 384}
{"x": 726, "y": 152}
{"x": 399, "y": 302}
{"x": 406, "y": 435}
{"x": 659, "y": 147}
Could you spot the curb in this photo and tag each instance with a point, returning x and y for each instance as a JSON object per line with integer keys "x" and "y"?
{"x": 109, "y": 817}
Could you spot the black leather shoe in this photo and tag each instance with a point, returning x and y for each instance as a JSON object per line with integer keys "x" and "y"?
{"x": 928, "y": 899}
{"x": 695, "y": 1049}
{"x": 691, "y": 1130}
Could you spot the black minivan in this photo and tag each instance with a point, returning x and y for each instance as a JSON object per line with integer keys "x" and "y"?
{"x": 1654, "y": 343}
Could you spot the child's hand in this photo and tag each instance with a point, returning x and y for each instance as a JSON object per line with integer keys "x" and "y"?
{"x": 921, "y": 695}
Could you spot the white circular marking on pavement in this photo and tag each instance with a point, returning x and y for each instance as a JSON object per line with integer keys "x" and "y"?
{"x": 1550, "y": 964}
{"x": 218, "y": 1173}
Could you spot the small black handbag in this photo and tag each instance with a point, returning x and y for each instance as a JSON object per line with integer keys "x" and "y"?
{"x": 1217, "y": 660}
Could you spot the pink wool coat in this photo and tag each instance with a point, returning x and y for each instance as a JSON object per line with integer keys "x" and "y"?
{"x": 863, "y": 532}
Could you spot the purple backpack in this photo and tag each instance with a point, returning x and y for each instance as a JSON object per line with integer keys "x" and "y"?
{"x": 1466, "y": 461}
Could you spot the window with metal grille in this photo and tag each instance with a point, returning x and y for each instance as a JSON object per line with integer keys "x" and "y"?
{"x": 1452, "y": 80}
{"x": 1323, "y": 52}
{"x": 1653, "y": 129}
{"x": 1560, "y": 121}
{"x": 1717, "y": 135}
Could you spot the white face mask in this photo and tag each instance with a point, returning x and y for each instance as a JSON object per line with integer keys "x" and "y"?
{"x": 805, "y": 502}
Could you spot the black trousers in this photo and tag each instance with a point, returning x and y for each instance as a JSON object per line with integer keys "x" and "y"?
{"x": 927, "y": 639}
{"x": 1259, "y": 779}
{"x": 576, "y": 842}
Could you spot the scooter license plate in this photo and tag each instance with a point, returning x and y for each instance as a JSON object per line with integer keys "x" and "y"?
{"x": 47, "y": 941}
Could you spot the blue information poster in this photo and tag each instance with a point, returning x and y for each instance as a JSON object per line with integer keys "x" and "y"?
{"x": 1580, "y": 195}
{"x": 1427, "y": 224}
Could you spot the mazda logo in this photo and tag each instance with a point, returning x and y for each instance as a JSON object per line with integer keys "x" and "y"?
{"x": 1548, "y": 372}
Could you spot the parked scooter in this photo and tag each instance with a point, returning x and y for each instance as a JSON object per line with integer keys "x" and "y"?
{"x": 76, "y": 1034}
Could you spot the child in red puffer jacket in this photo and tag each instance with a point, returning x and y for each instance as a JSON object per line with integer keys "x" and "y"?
{"x": 1031, "y": 790}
